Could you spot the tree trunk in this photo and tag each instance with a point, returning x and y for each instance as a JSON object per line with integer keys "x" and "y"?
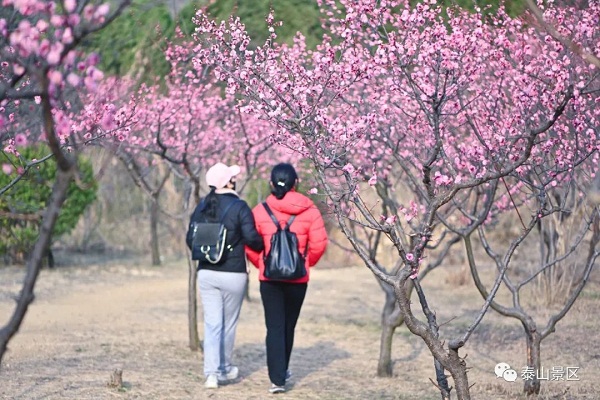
{"x": 458, "y": 370}
{"x": 50, "y": 257}
{"x": 193, "y": 307}
{"x": 456, "y": 366}
{"x": 444, "y": 359}
{"x": 247, "y": 294}
{"x": 154, "y": 214}
{"x": 384, "y": 366}
{"x": 26, "y": 296}
{"x": 390, "y": 320}
{"x": 534, "y": 340}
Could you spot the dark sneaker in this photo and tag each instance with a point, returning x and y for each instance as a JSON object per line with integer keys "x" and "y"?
{"x": 276, "y": 389}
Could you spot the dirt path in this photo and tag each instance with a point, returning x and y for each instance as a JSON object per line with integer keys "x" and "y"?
{"x": 88, "y": 321}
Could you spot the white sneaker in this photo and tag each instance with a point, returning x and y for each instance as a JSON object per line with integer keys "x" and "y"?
{"x": 276, "y": 389}
{"x": 288, "y": 375}
{"x": 233, "y": 373}
{"x": 212, "y": 382}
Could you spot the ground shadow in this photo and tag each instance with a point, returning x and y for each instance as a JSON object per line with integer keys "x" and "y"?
{"x": 251, "y": 357}
{"x": 308, "y": 360}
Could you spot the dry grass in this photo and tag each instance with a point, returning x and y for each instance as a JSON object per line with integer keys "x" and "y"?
{"x": 88, "y": 322}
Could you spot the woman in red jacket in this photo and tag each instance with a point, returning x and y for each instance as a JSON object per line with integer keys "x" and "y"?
{"x": 282, "y": 300}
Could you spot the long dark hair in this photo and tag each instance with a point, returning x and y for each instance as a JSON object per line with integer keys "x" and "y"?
{"x": 211, "y": 205}
{"x": 283, "y": 178}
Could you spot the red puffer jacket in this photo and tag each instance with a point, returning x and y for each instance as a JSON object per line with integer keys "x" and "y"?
{"x": 308, "y": 227}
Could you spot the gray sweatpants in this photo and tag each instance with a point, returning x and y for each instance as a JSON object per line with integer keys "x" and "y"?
{"x": 222, "y": 294}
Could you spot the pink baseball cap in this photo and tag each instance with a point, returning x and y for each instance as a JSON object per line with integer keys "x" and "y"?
{"x": 220, "y": 174}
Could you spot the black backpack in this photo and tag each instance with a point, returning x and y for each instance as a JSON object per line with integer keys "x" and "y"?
{"x": 284, "y": 261}
{"x": 208, "y": 238}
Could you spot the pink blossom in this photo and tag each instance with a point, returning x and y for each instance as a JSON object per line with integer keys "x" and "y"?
{"x": 349, "y": 168}
{"x": 107, "y": 123}
{"x": 44, "y": 48}
{"x": 92, "y": 59}
{"x": 73, "y": 19}
{"x": 55, "y": 77}
{"x": 10, "y": 149}
{"x": 313, "y": 191}
{"x": 18, "y": 69}
{"x": 90, "y": 84}
{"x": 95, "y": 74}
{"x": 73, "y": 79}
{"x": 57, "y": 20}
{"x": 88, "y": 12}
{"x": 102, "y": 11}
{"x": 410, "y": 257}
{"x": 441, "y": 179}
{"x": 67, "y": 36}
{"x": 7, "y": 168}
{"x": 62, "y": 124}
{"x": 42, "y": 25}
{"x": 20, "y": 140}
{"x": 70, "y": 5}
{"x": 55, "y": 53}
{"x": 373, "y": 180}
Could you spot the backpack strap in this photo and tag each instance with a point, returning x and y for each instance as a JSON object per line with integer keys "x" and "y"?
{"x": 288, "y": 223}
{"x": 227, "y": 209}
{"x": 202, "y": 207}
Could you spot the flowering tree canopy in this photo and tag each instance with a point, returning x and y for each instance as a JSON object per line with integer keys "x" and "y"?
{"x": 42, "y": 69}
{"x": 453, "y": 116}
{"x": 43, "y": 81}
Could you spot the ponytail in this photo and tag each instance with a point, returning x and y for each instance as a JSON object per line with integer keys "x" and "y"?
{"x": 283, "y": 179}
{"x": 211, "y": 205}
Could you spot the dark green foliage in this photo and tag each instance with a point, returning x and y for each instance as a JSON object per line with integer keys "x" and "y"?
{"x": 134, "y": 43}
{"x": 184, "y": 18}
{"x": 513, "y": 7}
{"x": 297, "y": 15}
{"x": 21, "y": 207}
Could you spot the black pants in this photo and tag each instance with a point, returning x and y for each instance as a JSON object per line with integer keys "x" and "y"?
{"x": 282, "y": 303}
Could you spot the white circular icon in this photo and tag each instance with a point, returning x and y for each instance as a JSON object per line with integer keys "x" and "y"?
{"x": 510, "y": 375}
{"x": 500, "y": 369}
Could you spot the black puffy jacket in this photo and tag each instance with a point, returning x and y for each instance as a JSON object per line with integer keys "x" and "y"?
{"x": 241, "y": 231}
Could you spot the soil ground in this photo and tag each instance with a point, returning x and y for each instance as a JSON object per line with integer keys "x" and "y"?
{"x": 88, "y": 321}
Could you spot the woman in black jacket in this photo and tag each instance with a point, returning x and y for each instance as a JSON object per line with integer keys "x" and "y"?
{"x": 223, "y": 285}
